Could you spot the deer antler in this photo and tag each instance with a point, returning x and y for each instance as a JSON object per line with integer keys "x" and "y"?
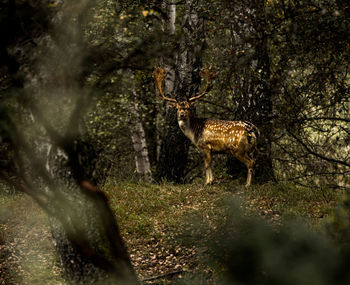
{"x": 159, "y": 75}
{"x": 208, "y": 85}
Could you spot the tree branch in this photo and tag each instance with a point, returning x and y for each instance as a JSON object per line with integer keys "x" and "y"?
{"x": 323, "y": 118}
{"x": 170, "y": 274}
{"x": 317, "y": 154}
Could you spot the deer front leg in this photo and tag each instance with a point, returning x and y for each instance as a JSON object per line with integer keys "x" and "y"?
{"x": 207, "y": 163}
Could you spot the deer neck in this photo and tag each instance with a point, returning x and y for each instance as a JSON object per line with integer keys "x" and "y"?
{"x": 187, "y": 127}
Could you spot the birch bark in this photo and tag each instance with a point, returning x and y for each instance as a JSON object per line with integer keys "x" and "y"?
{"x": 143, "y": 167}
{"x": 182, "y": 81}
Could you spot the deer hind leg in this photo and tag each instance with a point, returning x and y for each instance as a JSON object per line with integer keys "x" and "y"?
{"x": 249, "y": 162}
{"x": 207, "y": 163}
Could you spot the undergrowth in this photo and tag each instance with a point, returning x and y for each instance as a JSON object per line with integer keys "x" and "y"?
{"x": 163, "y": 224}
{"x": 166, "y": 227}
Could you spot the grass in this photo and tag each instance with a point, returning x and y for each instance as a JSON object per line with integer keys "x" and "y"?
{"x": 144, "y": 208}
{"x": 151, "y": 217}
{"x": 160, "y": 221}
{"x": 139, "y": 207}
{"x": 288, "y": 201}
{"x": 154, "y": 221}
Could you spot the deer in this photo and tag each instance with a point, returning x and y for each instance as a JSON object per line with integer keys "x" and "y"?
{"x": 238, "y": 138}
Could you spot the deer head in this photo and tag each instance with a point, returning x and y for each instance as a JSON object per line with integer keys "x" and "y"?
{"x": 185, "y": 108}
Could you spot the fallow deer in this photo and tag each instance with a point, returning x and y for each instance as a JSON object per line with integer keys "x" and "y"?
{"x": 238, "y": 138}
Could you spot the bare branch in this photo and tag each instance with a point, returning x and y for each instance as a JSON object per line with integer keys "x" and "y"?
{"x": 317, "y": 154}
{"x": 169, "y": 274}
{"x": 324, "y": 118}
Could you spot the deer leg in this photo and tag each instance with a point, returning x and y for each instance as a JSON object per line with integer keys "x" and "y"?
{"x": 207, "y": 163}
{"x": 249, "y": 162}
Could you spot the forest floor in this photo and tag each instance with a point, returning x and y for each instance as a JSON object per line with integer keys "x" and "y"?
{"x": 160, "y": 224}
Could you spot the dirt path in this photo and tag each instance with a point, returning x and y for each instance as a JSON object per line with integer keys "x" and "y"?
{"x": 26, "y": 249}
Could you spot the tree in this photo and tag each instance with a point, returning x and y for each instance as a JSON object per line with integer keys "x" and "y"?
{"x": 46, "y": 152}
{"x": 267, "y": 73}
{"x": 138, "y": 138}
{"x": 313, "y": 103}
{"x": 186, "y": 78}
{"x": 240, "y": 42}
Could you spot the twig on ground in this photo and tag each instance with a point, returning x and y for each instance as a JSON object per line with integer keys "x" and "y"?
{"x": 172, "y": 273}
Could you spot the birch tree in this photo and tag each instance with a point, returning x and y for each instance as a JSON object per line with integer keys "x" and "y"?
{"x": 187, "y": 65}
{"x": 143, "y": 167}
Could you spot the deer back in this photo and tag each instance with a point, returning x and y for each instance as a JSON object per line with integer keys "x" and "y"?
{"x": 225, "y": 136}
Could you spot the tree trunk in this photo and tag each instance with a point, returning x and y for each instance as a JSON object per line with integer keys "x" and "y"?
{"x": 143, "y": 167}
{"x": 255, "y": 102}
{"x": 59, "y": 174}
{"x": 85, "y": 233}
{"x": 172, "y": 18}
{"x": 185, "y": 81}
{"x": 263, "y": 117}
{"x": 84, "y": 229}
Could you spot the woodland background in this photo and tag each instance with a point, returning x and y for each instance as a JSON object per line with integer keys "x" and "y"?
{"x": 79, "y": 115}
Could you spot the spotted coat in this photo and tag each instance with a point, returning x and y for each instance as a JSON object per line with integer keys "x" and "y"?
{"x": 238, "y": 138}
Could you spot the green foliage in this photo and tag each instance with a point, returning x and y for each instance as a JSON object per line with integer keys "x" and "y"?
{"x": 294, "y": 54}
{"x": 307, "y": 80}
{"x": 305, "y": 45}
{"x": 247, "y": 251}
